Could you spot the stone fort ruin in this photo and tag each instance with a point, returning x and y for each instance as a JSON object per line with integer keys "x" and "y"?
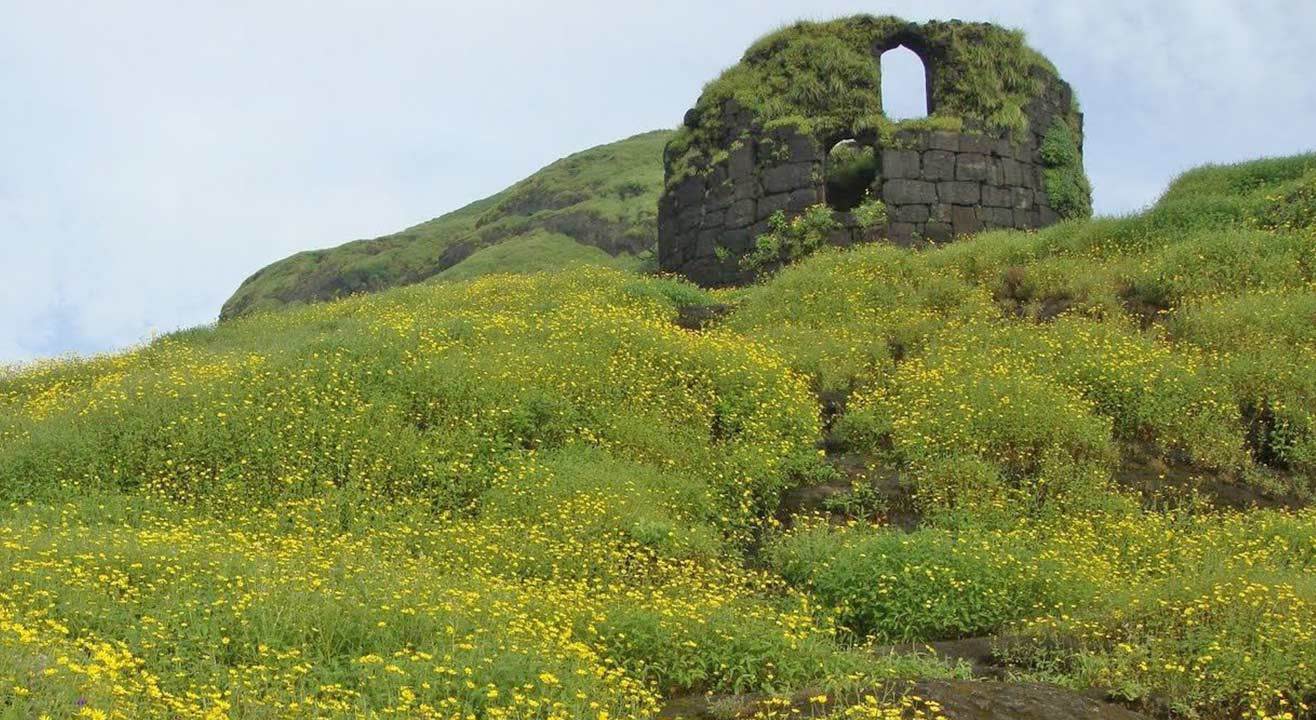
{"x": 799, "y": 122}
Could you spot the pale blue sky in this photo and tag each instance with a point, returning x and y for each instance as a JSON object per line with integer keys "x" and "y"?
{"x": 154, "y": 154}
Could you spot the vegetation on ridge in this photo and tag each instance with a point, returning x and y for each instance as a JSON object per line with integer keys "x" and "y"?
{"x": 598, "y": 205}
{"x": 540, "y": 497}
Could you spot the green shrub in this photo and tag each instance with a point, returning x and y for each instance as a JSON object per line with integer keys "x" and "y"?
{"x": 870, "y": 213}
{"x": 1292, "y": 208}
{"x": 924, "y": 586}
{"x": 789, "y": 240}
{"x": 1067, "y": 184}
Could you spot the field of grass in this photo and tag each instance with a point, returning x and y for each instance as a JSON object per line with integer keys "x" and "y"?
{"x": 539, "y": 496}
{"x": 603, "y": 199}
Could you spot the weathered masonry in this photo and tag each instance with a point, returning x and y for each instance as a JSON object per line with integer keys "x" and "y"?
{"x": 799, "y": 122}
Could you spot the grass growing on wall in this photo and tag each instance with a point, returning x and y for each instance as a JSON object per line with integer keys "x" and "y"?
{"x": 1067, "y": 185}
{"x": 822, "y": 78}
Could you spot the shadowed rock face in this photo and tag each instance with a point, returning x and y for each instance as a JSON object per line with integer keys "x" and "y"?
{"x": 958, "y": 699}
{"x": 971, "y": 700}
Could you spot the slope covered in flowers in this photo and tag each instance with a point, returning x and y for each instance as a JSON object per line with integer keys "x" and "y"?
{"x": 543, "y": 497}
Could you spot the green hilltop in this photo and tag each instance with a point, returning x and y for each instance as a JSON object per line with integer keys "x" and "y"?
{"x": 596, "y": 206}
{"x": 860, "y": 488}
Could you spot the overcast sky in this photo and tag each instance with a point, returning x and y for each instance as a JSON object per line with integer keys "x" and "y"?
{"x": 152, "y": 155}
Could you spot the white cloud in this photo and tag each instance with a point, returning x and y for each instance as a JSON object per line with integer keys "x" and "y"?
{"x": 155, "y": 153}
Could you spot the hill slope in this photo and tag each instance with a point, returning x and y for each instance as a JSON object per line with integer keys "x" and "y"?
{"x": 598, "y": 206}
{"x": 1088, "y": 449}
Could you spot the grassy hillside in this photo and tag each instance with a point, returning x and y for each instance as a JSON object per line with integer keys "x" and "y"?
{"x": 542, "y": 496}
{"x": 603, "y": 200}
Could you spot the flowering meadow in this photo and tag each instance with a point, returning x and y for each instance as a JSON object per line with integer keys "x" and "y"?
{"x": 539, "y": 496}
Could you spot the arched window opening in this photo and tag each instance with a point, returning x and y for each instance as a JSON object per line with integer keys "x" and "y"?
{"x": 851, "y": 170}
{"x": 904, "y": 84}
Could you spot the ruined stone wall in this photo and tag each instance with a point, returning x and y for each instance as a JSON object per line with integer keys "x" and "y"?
{"x": 936, "y": 184}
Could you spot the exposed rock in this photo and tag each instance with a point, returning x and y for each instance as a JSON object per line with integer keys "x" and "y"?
{"x": 975, "y": 700}
{"x": 700, "y": 317}
{"x": 958, "y": 700}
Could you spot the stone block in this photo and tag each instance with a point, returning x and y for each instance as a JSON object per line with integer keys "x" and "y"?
{"x": 1011, "y": 174}
{"x": 747, "y": 189}
{"x": 843, "y": 237}
{"x": 1021, "y": 198}
{"x": 997, "y": 197}
{"x": 942, "y": 140}
{"x": 1003, "y": 148}
{"x": 771, "y": 204}
{"x": 964, "y": 220}
{"x": 938, "y": 232}
{"x": 1035, "y": 153}
{"x": 741, "y": 163}
{"x": 690, "y": 219}
{"x": 904, "y": 192}
{"x": 1025, "y": 219}
{"x": 740, "y": 214}
{"x": 737, "y": 241}
{"x": 938, "y": 165}
{"x": 706, "y": 243}
{"x": 900, "y": 233}
{"x": 689, "y": 193}
{"x": 1047, "y": 216}
{"x": 801, "y": 199}
{"x": 959, "y": 193}
{"x": 900, "y": 164}
{"x": 912, "y": 213}
{"x": 714, "y": 219}
{"x": 977, "y": 144}
{"x": 939, "y": 213}
{"x": 802, "y": 148}
{"x": 909, "y": 139}
{"x": 785, "y": 178}
{"x": 995, "y": 171}
{"x": 971, "y": 166}
{"x": 720, "y": 196}
{"x": 996, "y": 217}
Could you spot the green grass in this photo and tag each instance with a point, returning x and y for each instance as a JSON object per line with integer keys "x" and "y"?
{"x": 604, "y": 198}
{"x": 536, "y": 495}
{"x": 535, "y": 252}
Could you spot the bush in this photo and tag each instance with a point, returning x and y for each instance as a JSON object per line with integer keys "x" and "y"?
{"x": 790, "y": 240}
{"x": 925, "y": 586}
{"x": 1292, "y": 208}
{"x": 1067, "y": 184}
{"x": 870, "y": 213}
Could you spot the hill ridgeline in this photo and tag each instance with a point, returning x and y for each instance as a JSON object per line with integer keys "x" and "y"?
{"x": 597, "y": 206}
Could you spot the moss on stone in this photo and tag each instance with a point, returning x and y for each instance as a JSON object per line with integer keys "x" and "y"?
{"x": 823, "y": 77}
{"x": 1067, "y": 185}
